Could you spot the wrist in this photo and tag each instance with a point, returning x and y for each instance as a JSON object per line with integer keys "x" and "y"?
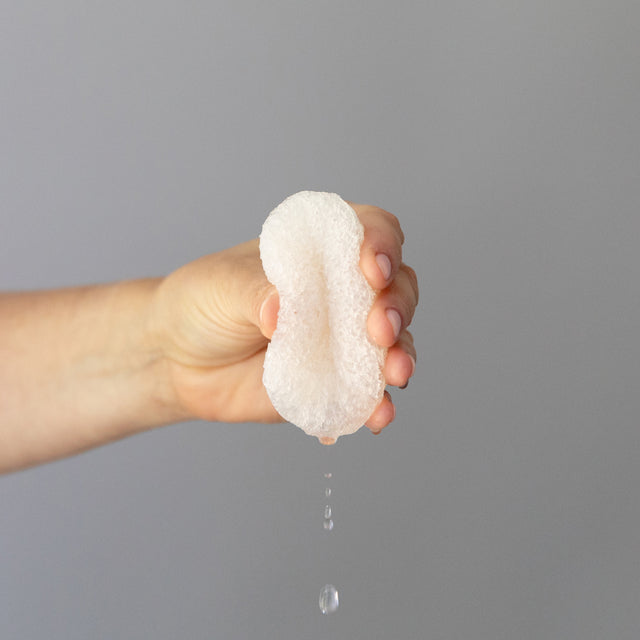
{"x": 148, "y": 367}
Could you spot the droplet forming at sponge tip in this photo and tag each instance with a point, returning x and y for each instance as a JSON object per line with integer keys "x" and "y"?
{"x": 321, "y": 370}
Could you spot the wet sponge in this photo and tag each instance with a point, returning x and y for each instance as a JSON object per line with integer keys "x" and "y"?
{"x": 321, "y": 370}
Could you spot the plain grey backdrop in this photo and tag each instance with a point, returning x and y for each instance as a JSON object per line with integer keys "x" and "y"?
{"x": 504, "y": 502}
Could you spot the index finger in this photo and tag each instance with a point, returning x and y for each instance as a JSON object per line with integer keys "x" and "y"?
{"x": 381, "y": 252}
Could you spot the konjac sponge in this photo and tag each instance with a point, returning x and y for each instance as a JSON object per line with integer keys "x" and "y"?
{"x": 321, "y": 371}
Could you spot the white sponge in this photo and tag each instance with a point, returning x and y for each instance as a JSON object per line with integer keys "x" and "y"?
{"x": 321, "y": 371}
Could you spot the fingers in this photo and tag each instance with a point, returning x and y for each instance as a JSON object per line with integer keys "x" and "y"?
{"x": 383, "y": 415}
{"x": 392, "y": 312}
{"x": 394, "y": 308}
{"x": 400, "y": 364}
{"x": 381, "y": 253}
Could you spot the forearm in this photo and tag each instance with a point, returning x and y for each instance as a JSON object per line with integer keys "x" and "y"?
{"x": 78, "y": 368}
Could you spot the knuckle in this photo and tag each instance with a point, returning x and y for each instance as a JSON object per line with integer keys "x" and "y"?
{"x": 413, "y": 281}
{"x": 395, "y": 223}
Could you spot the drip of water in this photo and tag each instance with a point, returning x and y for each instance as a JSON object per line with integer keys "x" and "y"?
{"x": 329, "y": 594}
{"x": 328, "y": 599}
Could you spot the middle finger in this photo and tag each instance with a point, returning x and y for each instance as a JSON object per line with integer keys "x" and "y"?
{"x": 394, "y": 307}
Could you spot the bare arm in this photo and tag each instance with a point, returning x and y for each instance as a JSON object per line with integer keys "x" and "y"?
{"x": 78, "y": 368}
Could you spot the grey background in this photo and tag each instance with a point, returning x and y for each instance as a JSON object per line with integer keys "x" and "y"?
{"x": 505, "y": 500}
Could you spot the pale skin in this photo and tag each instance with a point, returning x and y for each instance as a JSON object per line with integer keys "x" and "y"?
{"x": 81, "y": 367}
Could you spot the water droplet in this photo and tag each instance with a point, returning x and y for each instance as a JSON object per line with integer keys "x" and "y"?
{"x": 327, "y": 475}
{"x": 327, "y": 511}
{"x": 328, "y": 524}
{"x": 327, "y": 492}
{"x": 328, "y": 599}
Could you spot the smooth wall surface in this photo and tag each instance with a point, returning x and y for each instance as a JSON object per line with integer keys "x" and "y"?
{"x": 505, "y": 500}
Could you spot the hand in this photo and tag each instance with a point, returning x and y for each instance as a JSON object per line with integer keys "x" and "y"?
{"x": 214, "y": 317}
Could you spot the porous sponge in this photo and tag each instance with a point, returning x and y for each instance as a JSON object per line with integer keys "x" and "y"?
{"x": 321, "y": 371}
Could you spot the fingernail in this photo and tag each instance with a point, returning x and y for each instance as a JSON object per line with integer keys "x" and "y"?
{"x": 396, "y": 321}
{"x": 263, "y": 306}
{"x": 261, "y": 312}
{"x": 413, "y": 370}
{"x": 385, "y": 265}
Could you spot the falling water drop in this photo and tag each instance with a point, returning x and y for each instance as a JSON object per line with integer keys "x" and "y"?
{"x": 327, "y": 475}
{"x": 327, "y": 511}
{"x": 328, "y": 599}
{"x": 328, "y": 524}
{"x": 327, "y": 492}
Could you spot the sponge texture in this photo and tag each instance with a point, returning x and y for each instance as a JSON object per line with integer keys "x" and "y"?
{"x": 321, "y": 370}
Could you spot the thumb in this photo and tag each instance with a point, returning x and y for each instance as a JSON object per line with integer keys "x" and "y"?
{"x": 247, "y": 293}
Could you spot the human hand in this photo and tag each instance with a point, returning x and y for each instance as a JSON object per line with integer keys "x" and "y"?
{"x": 213, "y": 319}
